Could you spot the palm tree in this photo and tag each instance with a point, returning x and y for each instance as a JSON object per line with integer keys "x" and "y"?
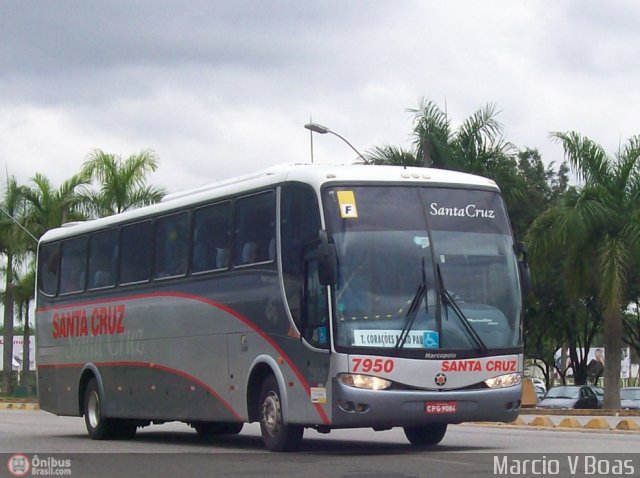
{"x": 12, "y": 245}
{"x": 24, "y": 291}
{"x": 477, "y": 146}
{"x": 122, "y": 183}
{"x": 599, "y": 228}
{"x": 48, "y": 207}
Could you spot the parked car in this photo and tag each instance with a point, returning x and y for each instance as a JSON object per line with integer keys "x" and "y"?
{"x": 630, "y": 398}
{"x": 569, "y": 396}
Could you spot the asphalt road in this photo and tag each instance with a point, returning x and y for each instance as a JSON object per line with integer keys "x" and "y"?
{"x": 175, "y": 450}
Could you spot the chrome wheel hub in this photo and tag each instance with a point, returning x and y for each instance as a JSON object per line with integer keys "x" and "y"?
{"x": 93, "y": 410}
{"x": 271, "y": 414}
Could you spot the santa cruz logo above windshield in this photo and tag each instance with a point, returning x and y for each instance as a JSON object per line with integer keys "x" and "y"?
{"x": 470, "y": 210}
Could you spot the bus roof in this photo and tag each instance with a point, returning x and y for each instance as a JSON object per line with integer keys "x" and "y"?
{"x": 314, "y": 174}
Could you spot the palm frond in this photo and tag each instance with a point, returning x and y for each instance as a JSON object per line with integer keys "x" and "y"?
{"x": 587, "y": 159}
{"x": 431, "y": 133}
{"x": 392, "y": 155}
{"x": 480, "y": 126}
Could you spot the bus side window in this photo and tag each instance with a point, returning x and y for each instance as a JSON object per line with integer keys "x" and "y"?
{"x": 49, "y": 257}
{"x": 211, "y": 237}
{"x": 73, "y": 266}
{"x": 255, "y": 218}
{"x": 171, "y": 245}
{"x": 300, "y": 225}
{"x": 135, "y": 254}
{"x": 103, "y": 252}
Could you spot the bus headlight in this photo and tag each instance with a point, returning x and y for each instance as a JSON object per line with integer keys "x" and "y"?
{"x": 503, "y": 381}
{"x": 363, "y": 381}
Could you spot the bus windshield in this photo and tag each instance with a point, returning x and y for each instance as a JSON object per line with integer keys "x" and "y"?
{"x": 450, "y": 250}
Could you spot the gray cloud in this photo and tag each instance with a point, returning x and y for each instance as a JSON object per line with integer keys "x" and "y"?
{"x": 221, "y": 88}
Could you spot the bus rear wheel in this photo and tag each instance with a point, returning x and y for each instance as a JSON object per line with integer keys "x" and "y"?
{"x": 276, "y": 435}
{"x": 98, "y": 426}
{"x": 426, "y": 435}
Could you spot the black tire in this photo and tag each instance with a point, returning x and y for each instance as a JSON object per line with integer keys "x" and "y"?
{"x": 98, "y": 426}
{"x": 276, "y": 435}
{"x": 212, "y": 429}
{"x": 426, "y": 435}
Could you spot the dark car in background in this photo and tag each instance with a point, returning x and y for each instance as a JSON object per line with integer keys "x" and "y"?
{"x": 599, "y": 391}
{"x": 569, "y": 396}
{"x": 630, "y": 398}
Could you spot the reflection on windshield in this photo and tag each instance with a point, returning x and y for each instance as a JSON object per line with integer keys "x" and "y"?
{"x": 450, "y": 303}
{"x": 381, "y": 252}
{"x": 563, "y": 392}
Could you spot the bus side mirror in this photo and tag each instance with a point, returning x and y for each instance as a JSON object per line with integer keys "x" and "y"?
{"x": 523, "y": 267}
{"x": 327, "y": 261}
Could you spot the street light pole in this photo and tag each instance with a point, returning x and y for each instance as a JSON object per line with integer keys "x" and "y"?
{"x": 320, "y": 129}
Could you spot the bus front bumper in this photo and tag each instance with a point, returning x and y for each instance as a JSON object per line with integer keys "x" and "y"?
{"x": 354, "y": 407}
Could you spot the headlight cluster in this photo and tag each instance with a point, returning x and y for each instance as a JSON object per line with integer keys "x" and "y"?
{"x": 364, "y": 381}
{"x": 503, "y": 381}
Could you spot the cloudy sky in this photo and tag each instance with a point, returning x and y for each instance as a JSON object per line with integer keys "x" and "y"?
{"x": 220, "y": 87}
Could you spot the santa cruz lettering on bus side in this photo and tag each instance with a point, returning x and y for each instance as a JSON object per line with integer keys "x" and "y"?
{"x": 104, "y": 320}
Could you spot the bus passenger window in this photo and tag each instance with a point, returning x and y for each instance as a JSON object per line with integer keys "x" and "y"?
{"x": 48, "y": 274}
{"x": 255, "y": 229}
{"x": 172, "y": 245}
{"x": 135, "y": 256}
{"x": 103, "y": 252}
{"x": 73, "y": 266}
{"x": 211, "y": 238}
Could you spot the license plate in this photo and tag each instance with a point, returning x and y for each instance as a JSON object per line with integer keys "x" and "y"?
{"x": 438, "y": 408}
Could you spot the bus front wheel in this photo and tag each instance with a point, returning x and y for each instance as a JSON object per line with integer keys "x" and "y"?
{"x": 426, "y": 435}
{"x": 277, "y": 435}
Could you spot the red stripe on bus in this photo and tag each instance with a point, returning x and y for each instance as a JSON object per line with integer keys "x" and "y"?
{"x": 217, "y": 305}
{"x": 255, "y": 328}
{"x": 163, "y": 368}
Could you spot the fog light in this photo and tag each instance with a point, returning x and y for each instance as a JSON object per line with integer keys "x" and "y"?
{"x": 346, "y": 405}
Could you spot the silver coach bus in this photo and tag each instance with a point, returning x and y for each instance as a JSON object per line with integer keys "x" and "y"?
{"x": 304, "y": 296}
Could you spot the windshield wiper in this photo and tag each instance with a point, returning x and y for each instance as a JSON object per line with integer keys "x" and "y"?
{"x": 412, "y": 312}
{"x": 446, "y": 297}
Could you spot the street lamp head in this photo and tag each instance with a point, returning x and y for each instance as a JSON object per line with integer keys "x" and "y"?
{"x": 317, "y": 128}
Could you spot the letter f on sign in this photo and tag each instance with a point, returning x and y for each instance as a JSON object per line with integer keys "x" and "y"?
{"x": 347, "y": 201}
